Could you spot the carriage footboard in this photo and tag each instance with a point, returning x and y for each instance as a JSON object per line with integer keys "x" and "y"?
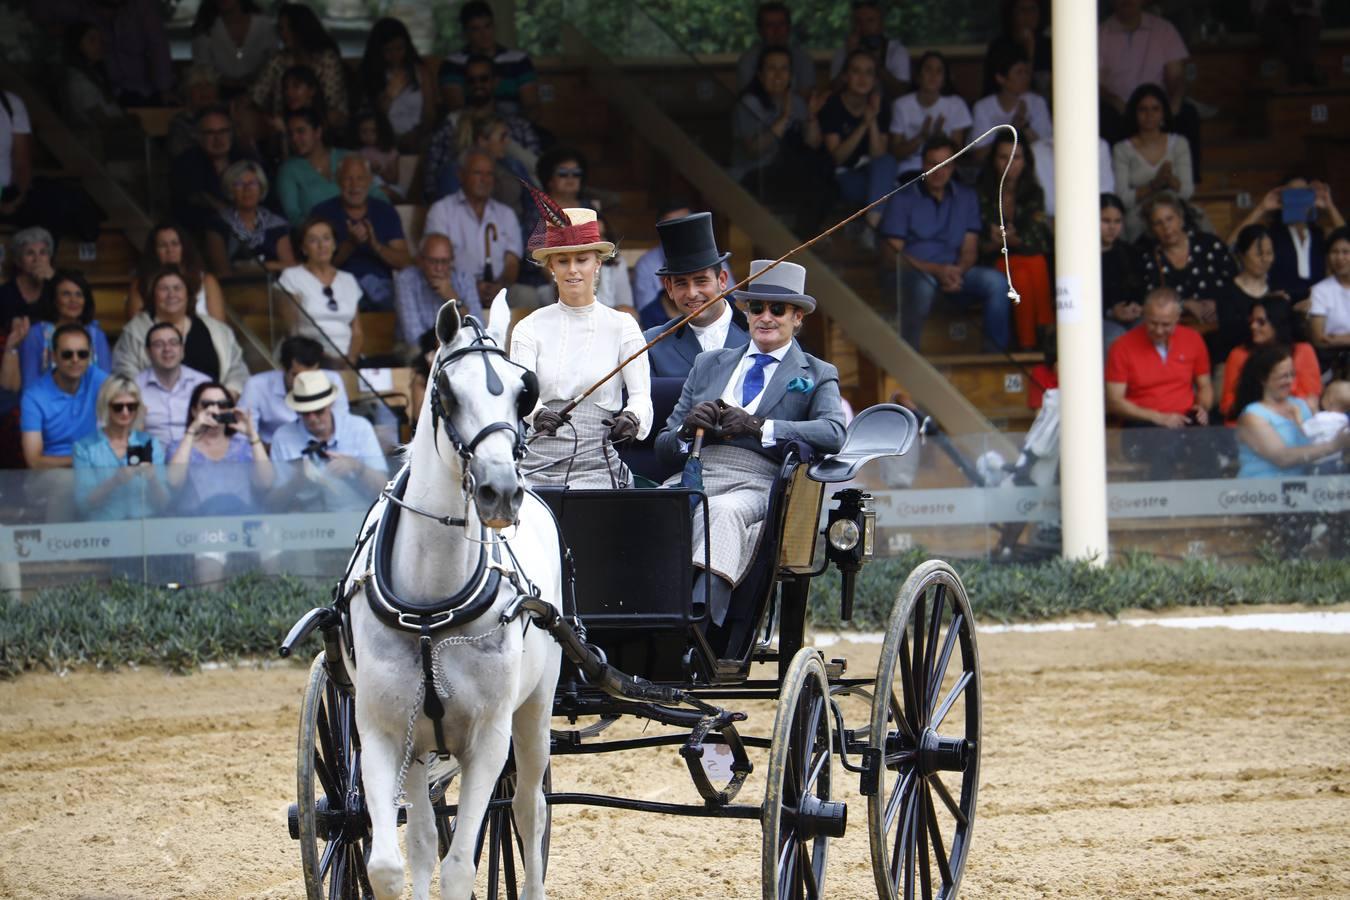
{"x": 702, "y": 719}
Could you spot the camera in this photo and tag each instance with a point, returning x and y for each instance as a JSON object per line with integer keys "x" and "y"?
{"x": 227, "y": 417}
{"x": 315, "y": 450}
{"x": 137, "y": 454}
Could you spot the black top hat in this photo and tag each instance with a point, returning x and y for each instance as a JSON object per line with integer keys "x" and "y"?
{"x": 689, "y": 245}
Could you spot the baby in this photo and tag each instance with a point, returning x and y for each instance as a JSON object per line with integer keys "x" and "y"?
{"x": 1334, "y": 418}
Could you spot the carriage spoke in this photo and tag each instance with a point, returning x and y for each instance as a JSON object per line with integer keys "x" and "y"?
{"x": 935, "y": 833}
{"x": 337, "y": 879}
{"x": 916, "y": 670}
{"x": 822, "y": 763}
{"x": 326, "y": 861}
{"x": 326, "y": 779}
{"x": 787, "y": 864}
{"x": 897, "y": 713}
{"x": 961, "y": 684}
{"x": 901, "y": 792}
{"x": 904, "y": 840}
{"x": 940, "y": 671}
{"x": 934, "y": 628}
{"x": 921, "y": 834}
{"x": 911, "y": 707}
{"x": 947, "y": 800}
{"x": 808, "y": 871}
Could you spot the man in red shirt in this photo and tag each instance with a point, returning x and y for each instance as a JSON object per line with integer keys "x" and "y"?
{"x": 1158, "y": 374}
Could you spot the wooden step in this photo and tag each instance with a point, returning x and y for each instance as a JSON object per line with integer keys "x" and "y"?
{"x": 110, "y": 256}
{"x": 381, "y": 332}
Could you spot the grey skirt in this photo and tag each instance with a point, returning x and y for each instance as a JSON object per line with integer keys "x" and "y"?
{"x": 595, "y": 465}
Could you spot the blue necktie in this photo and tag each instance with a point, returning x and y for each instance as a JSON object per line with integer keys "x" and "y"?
{"x": 754, "y": 379}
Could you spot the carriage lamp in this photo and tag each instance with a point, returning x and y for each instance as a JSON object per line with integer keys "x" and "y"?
{"x": 850, "y": 540}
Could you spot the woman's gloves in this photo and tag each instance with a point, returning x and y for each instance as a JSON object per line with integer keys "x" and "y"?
{"x": 623, "y": 427}
{"x": 546, "y": 421}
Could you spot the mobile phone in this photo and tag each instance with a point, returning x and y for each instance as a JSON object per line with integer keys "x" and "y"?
{"x": 1296, "y": 205}
{"x": 137, "y": 454}
{"x": 227, "y": 417}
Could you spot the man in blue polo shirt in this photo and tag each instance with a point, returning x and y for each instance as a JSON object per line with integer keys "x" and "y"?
{"x": 333, "y": 457}
{"x": 369, "y": 235}
{"x": 59, "y": 408}
{"x": 935, "y": 230}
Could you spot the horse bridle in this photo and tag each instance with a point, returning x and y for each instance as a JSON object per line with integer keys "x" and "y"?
{"x": 440, "y": 401}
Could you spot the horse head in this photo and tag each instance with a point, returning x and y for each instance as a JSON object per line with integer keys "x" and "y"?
{"x": 477, "y": 398}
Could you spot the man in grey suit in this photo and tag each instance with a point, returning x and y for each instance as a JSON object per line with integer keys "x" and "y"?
{"x": 693, "y": 274}
{"x": 750, "y": 403}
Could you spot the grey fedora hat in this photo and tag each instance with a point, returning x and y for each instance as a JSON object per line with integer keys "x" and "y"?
{"x": 784, "y": 283}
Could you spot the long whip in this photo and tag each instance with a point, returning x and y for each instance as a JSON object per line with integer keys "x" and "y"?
{"x": 1012, "y": 292}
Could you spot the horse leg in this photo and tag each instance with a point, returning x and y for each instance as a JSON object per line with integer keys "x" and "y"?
{"x": 481, "y": 760}
{"x": 380, "y": 760}
{"x": 531, "y": 741}
{"x": 421, "y": 833}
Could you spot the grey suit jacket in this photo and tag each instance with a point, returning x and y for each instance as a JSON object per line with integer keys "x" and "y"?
{"x": 812, "y": 416}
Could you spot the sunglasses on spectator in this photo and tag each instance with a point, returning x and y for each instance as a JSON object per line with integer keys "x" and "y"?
{"x": 332, "y": 301}
{"x": 71, "y": 354}
{"x": 568, "y": 173}
{"x": 216, "y": 404}
{"x": 480, "y": 79}
{"x": 130, "y": 407}
{"x": 777, "y": 310}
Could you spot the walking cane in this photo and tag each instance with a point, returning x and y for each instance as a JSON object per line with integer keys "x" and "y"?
{"x": 489, "y": 235}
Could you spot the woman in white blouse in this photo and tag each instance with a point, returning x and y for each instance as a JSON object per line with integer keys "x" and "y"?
{"x": 570, "y": 346}
{"x": 931, "y": 110}
{"x": 324, "y": 298}
{"x": 234, "y": 39}
{"x": 1152, "y": 160}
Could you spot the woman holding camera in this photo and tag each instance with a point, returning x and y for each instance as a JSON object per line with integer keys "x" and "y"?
{"x": 207, "y": 467}
{"x": 119, "y": 469}
{"x": 207, "y": 463}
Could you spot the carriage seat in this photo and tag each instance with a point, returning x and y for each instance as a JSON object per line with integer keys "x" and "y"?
{"x": 878, "y": 431}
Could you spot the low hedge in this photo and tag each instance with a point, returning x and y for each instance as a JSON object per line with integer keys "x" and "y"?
{"x": 122, "y": 623}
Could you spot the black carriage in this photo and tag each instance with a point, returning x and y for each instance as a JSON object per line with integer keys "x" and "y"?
{"x": 638, "y": 643}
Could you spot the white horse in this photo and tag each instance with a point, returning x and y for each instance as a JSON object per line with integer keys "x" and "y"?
{"x": 499, "y": 683}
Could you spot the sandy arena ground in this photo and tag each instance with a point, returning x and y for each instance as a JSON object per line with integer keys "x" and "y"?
{"x": 1124, "y": 762}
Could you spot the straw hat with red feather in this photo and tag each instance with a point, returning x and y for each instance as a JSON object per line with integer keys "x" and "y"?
{"x": 564, "y": 230}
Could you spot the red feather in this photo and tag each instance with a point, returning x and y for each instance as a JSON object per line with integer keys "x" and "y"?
{"x": 551, "y": 212}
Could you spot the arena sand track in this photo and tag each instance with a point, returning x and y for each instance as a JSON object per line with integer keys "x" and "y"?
{"x": 1123, "y": 762}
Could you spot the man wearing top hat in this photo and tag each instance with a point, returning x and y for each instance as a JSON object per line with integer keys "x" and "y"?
{"x": 750, "y": 403}
{"x": 692, "y": 275}
{"x": 335, "y": 457}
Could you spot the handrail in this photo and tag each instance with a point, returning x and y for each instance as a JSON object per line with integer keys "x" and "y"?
{"x": 869, "y": 331}
{"x": 76, "y": 159}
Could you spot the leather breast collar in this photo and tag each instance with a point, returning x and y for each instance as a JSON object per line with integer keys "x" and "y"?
{"x": 467, "y": 604}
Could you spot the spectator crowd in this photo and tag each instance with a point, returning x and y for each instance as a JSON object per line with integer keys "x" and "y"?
{"x": 290, "y": 162}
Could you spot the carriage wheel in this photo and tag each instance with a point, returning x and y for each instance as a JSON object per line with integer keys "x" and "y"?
{"x": 798, "y": 818}
{"x": 330, "y": 816}
{"x": 926, "y": 727}
{"x": 506, "y": 849}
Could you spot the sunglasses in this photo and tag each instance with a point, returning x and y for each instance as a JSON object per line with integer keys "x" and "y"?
{"x": 480, "y": 79}
{"x": 164, "y": 345}
{"x": 124, "y": 407}
{"x": 568, "y": 173}
{"x": 72, "y": 354}
{"x": 216, "y": 404}
{"x": 332, "y": 301}
{"x": 777, "y": 310}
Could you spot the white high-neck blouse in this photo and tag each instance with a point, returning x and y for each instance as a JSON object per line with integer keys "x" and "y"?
{"x": 570, "y": 348}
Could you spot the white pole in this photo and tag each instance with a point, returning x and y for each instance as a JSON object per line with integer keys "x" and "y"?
{"x": 1078, "y": 282}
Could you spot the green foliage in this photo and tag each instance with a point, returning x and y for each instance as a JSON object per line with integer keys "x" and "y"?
{"x": 121, "y": 623}
{"x": 1059, "y": 588}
